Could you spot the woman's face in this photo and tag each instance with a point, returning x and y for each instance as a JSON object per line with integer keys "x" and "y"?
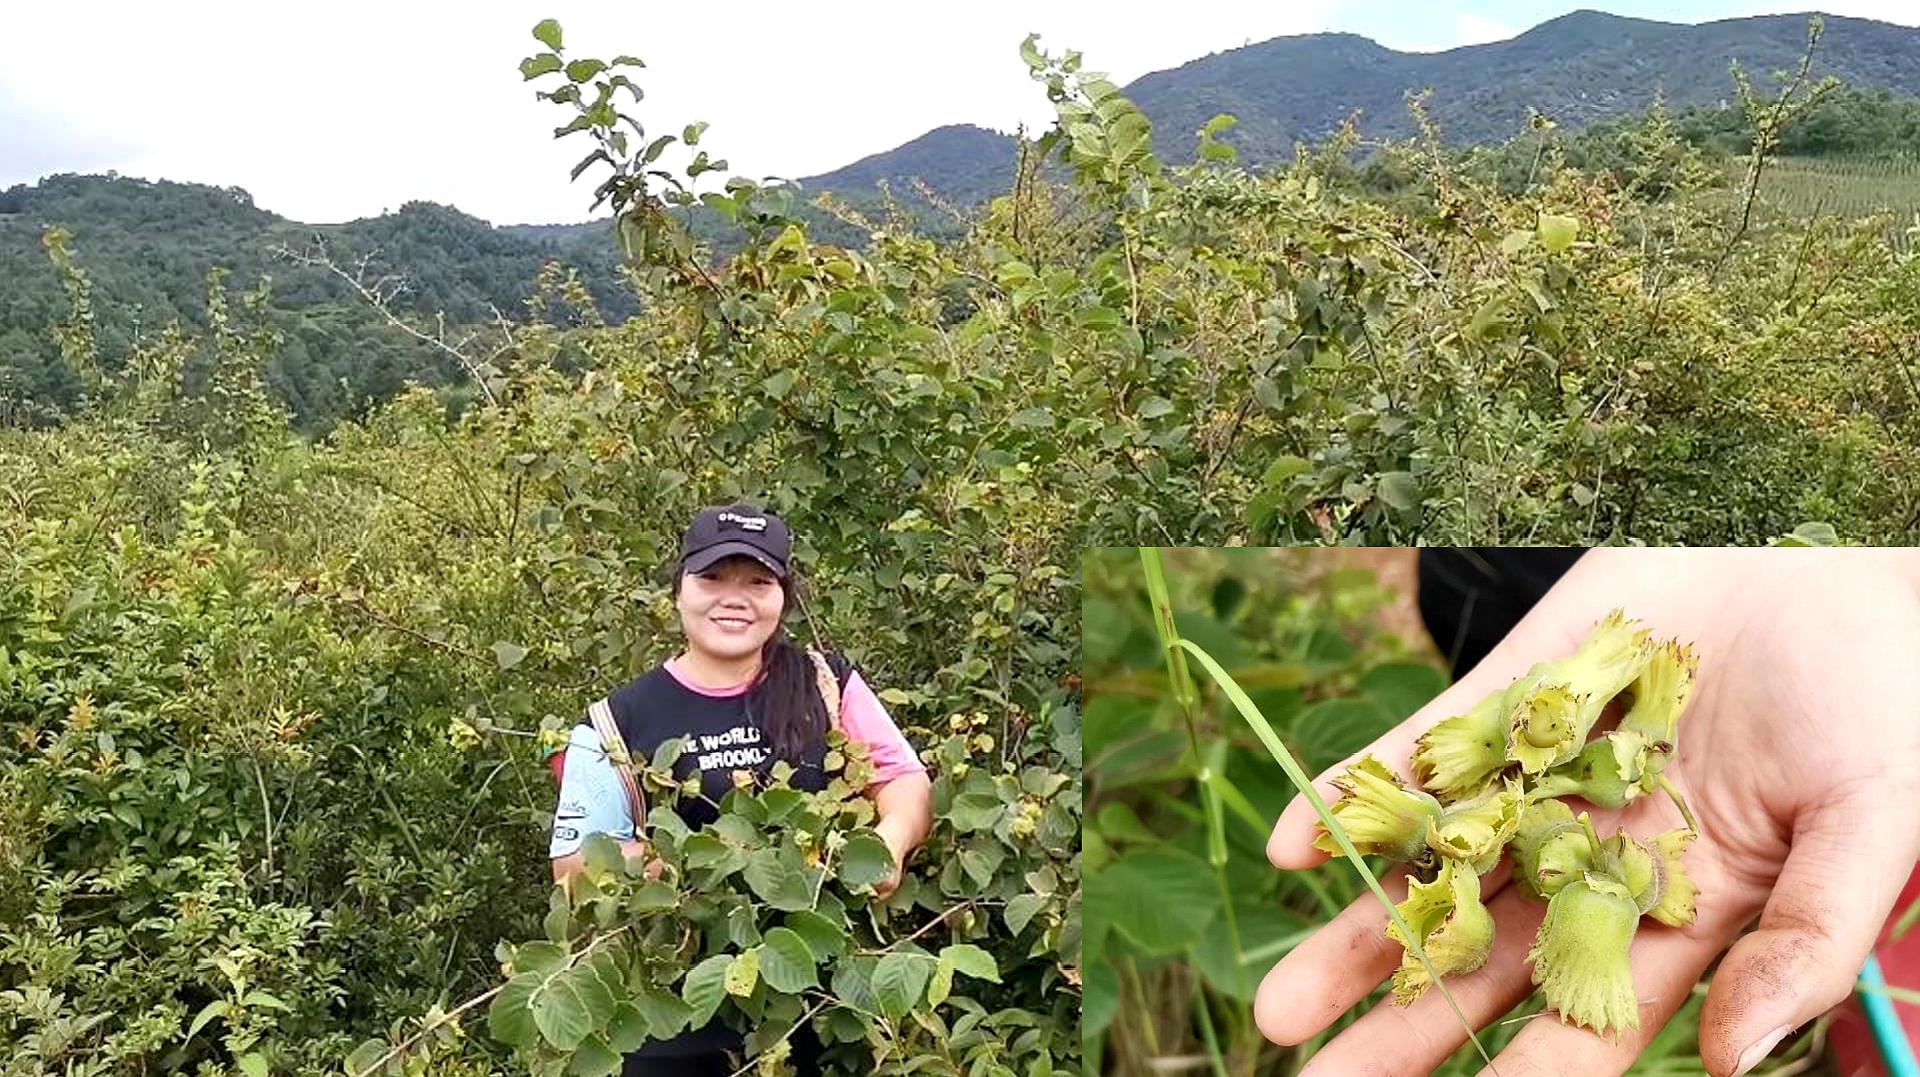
{"x": 730, "y": 609}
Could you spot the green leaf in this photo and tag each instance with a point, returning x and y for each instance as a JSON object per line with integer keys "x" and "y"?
{"x": 539, "y": 958}
{"x": 1400, "y": 688}
{"x": 211, "y": 1010}
{"x": 1399, "y": 489}
{"x": 940, "y": 985}
{"x": 253, "y": 1064}
{"x": 568, "y": 1006}
{"x": 508, "y": 654}
{"x": 1035, "y": 418}
{"x": 1021, "y": 909}
{"x": 866, "y": 860}
{"x": 853, "y": 981}
{"x": 533, "y": 67}
{"x": 629, "y": 1028}
{"x": 972, "y": 960}
{"x": 666, "y": 1013}
{"x": 776, "y": 877}
{"x": 582, "y": 70}
{"x": 594, "y": 1058}
{"x": 778, "y": 384}
{"x": 825, "y": 939}
{"x": 600, "y": 854}
{"x": 900, "y": 982}
{"x": 975, "y": 811}
{"x": 1099, "y": 999}
{"x": 510, "y": 1016}
{"x": 787, "y": 962}
{"x": 1333, "y": 729}
{"x": 705, "y": 988}
{"x": 1155, "y": 406}
{"x": 981, "y": 861}
{"x": 1557, "y": 232}
{"x": 548, "y": 33}
{"x": 1162, "y": 900}
{"x": 361, "y": 1061}
{"x": 744, "y": 973}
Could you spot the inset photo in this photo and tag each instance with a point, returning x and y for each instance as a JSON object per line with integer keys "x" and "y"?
{"x": 1526, "y": 810}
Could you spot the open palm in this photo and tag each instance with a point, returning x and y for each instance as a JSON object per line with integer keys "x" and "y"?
{"x": 1800, "y": 757}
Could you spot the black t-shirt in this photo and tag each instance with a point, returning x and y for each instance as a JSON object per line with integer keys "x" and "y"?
{"x": 724, "y": 733}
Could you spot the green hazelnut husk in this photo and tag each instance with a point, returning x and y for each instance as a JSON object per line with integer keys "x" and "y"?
{"x": 1611, "y": 771}
{"x": 1475, "y": 831}
{"x": 1658, "y": 695}
{"x": 1381, "y": 816}
{"x": 1459, "y": 755}
{"x": 1552, "y": 708}
{"x": 1453, "y": 926}
{"x": 1548, "y": 835}
{"x": 1674, "y": 905}
{"x": 1580, "y": 956}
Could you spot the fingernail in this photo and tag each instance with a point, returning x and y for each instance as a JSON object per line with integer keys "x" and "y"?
{"x": 1751, "y": 1056}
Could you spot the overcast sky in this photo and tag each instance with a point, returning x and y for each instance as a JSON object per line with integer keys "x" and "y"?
{"x": 327, "y": 112}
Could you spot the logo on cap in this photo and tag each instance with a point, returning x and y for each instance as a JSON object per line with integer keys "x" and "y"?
{"x": 745, "y": 523}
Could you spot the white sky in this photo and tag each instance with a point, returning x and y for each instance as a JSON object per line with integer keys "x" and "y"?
{"x": 327, "y": 112}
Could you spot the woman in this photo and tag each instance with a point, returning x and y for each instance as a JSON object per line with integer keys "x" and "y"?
{"x": 746, "y": 696}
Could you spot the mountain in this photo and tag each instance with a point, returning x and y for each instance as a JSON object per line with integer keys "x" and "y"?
{"x": 147, "y": 248}
{"x": 1578, "y": 69}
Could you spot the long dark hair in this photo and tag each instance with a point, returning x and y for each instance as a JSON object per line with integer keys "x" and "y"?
{"x": 786, "y": 697}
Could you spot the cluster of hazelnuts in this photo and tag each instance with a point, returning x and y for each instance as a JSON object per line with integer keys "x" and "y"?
{"x": 1490, "y": 782}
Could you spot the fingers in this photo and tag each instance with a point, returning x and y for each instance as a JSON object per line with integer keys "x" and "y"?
{"x": 1843, "y": 872}
{"x": 1336, "y": 966}
{"x": 1412, "y": 1040}
{"x": 1666, "y": 964}
{"x": 1341, "y": 964}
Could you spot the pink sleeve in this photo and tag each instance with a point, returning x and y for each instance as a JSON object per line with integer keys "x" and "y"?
{"x": 862, "y": 718}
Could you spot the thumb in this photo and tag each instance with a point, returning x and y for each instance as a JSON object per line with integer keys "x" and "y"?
{"x": 1845, "y": 867}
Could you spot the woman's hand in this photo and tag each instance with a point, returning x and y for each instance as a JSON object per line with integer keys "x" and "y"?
{"x": 1799, "y": 754}
{"x": 897, "y": 844}
{"x": 654, "y": 865}
{"x": 905, "y": 808}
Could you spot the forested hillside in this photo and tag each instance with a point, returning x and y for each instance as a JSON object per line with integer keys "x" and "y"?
{"x": 147, "y": 248}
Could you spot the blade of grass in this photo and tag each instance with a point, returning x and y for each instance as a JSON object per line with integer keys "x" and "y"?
{"x": 1233, "y": 798}
{"x": 1189, "y": 702}
{"x": 1908, "y": 917}
{"x": 1301, "y": 781}
{"x": 1205, "y": 1017}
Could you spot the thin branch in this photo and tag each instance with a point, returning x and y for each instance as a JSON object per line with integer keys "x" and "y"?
{"x": 401, "y": 1047}
{"x": 804, "y": 1018}
{"x": 378, "y": 294}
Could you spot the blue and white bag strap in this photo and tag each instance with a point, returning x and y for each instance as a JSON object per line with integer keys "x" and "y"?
{"x": 616, "y": 748}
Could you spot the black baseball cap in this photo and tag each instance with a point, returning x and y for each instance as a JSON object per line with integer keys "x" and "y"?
{"x": 737, "y": 530}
